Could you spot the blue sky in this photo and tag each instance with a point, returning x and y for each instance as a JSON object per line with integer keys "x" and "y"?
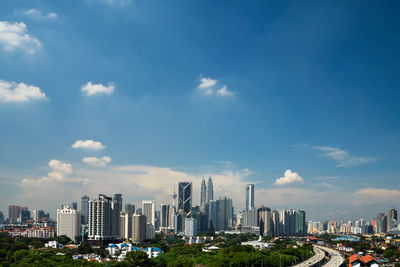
{"x": 180, "y": 89}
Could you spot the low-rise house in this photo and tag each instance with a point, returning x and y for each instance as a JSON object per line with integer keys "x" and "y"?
{"x": 369, "y": 261}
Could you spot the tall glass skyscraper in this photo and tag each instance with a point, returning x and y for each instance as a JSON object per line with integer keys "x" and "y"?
{"x": 84, "y": 209}
{"x": 210, "y": 190}
{"x": 249, "y": 196}
{"x": 185, "y": 197}
{"x": 203, "y": 193}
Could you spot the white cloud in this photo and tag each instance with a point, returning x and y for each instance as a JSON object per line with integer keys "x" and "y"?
{"x": 95, "y": 161}
{"x": 60, "y": 173}
{"x": 207, "y": 82}
{"x": 13, "y": 35}
{"x": 223, "y": 91}
{"x": 21, "y": 92}
{"x": 207, "y": 86}
{"x": 289, "y": 177}
{"x": 35, "y": 13}
{"x": 96, "y": 89}
{"x": 88, "y": 144}
{"x": 376, "y": 195}
{"x": 342, "y": 157}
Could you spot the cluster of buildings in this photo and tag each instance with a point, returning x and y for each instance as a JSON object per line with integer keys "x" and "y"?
{"x": 107, "y": 221}
{"x": 383, "y": 223}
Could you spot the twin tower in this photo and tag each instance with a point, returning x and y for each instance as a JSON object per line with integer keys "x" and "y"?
{"x": 206, "y": 192}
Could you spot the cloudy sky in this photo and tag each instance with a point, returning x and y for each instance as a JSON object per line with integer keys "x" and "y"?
{"x": 124, "y": 96}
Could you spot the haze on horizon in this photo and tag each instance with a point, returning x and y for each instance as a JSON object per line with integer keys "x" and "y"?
{"x": 123, "y": 96}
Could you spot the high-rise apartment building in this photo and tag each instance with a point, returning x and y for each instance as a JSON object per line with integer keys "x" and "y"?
{"x": 125, "y": 225}
{"x": 210, "y": 190}
{"x": 138, "y": 228}
{"x": 69, "y": 222}
{"x": 249, "y": 196}
{"x": 103, "y": 218}
{"x": 381, "y": 223}
{"x": 185, "y": 197}
{"x": 265, "y": 221}
{"x": 203, "y": 193}
{"x": 1, "y": 217}
{"x": 84, "y": 209}
{"x": 276, "y": 223}
{"x": 149, "y": 210}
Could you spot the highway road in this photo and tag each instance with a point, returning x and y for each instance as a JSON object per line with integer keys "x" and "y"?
{"x": 336, "y": 258}
{"x": 319, "y": 255}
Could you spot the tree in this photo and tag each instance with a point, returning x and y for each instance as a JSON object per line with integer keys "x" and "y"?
{"x": 85, "y": 248}
{"x": 137, "y": 258}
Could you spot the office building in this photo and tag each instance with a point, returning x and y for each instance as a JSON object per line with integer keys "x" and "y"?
{"x": 392, "y": 219}
{"x": 69, "y": 222}
{"x": 381, "y": 223}
{"x": 103, "y": 218}
{"x": 13, "y": 213}
{"x": 190, "y": 227}
{"x": 185, "y": 197}
{"x": 149, "y": 210}
{"x": 118, "y": 197}
{"x": 25, "y": 215}
{"x": 213, "y": 207}
{"x": 249, "y": 196}
{"x": 130, "y": 208}
{"x": 203, "y": 193}
{"x": 74, "y": 205}
{"x": 138, "y": 228}
{"x": 164, "y": 215}
{"x": 300, "y": 223}
{"x": 1, "y": 217}
{"x": 210, "y": 190}
{"x": 250, "y": 218}
{"x": 224, "y": 214}
{"x": 84, "y": 209}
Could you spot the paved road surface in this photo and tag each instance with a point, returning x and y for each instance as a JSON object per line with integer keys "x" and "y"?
{"x": 319, "y": 255}
{"x": 335, "y": 258}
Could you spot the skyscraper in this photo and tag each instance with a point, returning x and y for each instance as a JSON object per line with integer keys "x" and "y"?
{"x": 164, "y": 215}
{"x": 185, "y": 197}
{"x": 249, "y": 196}
{"x": 130, "y": 208}
{"x": 300, "y": 222}
{"x": 74, "y": 205}
{"x": 138, "y": 228}
{"x": 125, "y": 225}
{"x": 103, "y": 218}
{"x": 149, "y": 210}
{"x": 84, "y": 209}
{"x": 190, "y": 227}
{"x": 69, "y": 222}
{"x": 265, "y": 221}
{"x": 203, "y": 193}
{"x": 118, "y": 197}
{"x": 210, "y": 190}
{"x": 224, "y": 213}
{"x": 13, "y": 213}
{"x": 392, "y": 219}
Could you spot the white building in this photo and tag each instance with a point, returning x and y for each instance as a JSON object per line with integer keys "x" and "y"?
{"x": 190, "y": 227}
{"x": 149, "y": 210}
{"x": 53, "y": 244}
{"x": 69, "y": 222}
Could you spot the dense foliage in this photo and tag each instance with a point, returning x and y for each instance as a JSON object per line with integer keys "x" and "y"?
{"x": 25, "y": 252}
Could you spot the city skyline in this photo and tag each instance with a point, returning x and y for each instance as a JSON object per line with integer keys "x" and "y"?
{"x": 299, "y": 99}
